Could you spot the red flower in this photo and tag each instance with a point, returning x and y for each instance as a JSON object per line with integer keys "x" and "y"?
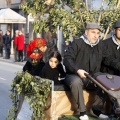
{"x": 35, "y": 43}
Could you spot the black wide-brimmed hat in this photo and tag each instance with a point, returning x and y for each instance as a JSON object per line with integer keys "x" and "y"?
{"x": 117, "y": 24}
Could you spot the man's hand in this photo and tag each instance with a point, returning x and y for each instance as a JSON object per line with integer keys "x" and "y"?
{"x": 81, "y": 73}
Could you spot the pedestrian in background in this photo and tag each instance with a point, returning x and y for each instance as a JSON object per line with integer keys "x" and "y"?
{"x": 1, "y": 43}
{"x": 20, "y": 46}
{"x": 51, "y": 44}
{"x": 16, "y": 37}
{"x": 7, "y": 44}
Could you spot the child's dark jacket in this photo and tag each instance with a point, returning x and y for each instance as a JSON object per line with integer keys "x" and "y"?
{"x": 33, "y": 69}
{"x": 52, "y": 73}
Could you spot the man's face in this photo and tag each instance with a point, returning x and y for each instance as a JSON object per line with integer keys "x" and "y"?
{"x": 43, "y": 48}
{"x": 117, "y": 32}
{"x": 92, "y": 35}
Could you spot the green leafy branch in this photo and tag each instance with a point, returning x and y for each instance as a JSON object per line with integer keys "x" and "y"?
{"x": 36, "y": 91}
{"x": 71, "y": 15}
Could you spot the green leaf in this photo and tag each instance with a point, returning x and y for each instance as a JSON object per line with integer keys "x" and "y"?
{"x": 36, "y": 91}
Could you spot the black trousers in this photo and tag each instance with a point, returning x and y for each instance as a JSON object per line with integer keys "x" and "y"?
{"x": 1, "y": 50}
{"x": 20, "y": 55}
{"x": 15, "y": 53}
{"x": 7, "y": 51}
{"x": 76, "y": 84}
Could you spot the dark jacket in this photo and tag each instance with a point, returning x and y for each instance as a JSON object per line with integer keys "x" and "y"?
{"x": 82, "y": 56}
{"x": 1, "y": 40}
{"x": 111, "y": 47}
{"x": 7, "y": 39}
{"x": 33, "y": 69}
{"x": 53, "y": 73}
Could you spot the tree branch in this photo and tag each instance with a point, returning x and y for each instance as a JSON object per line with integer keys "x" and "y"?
{"x": 108, "y": 28}
{"x": 101, "y": 8}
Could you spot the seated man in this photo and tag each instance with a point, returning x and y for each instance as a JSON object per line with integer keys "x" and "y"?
{"x": 112, "y": 45}
{"x": 84, "y": 55}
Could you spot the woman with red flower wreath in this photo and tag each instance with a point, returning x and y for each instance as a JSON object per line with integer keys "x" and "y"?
{"x": 35, "y": 51}
{"x": 34, "y": 64}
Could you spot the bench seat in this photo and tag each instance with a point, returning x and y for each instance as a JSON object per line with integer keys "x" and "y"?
{"x": 62, "y": 102}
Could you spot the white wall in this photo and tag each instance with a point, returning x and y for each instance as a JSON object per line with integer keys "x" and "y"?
{"x": 3, "y": 4}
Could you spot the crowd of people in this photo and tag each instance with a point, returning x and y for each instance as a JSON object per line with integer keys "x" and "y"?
{"x": 85, "y": 55}
{"x": 18, "y": 44}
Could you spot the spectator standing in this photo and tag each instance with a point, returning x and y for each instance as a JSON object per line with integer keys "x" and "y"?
{"x": 7, "y": 44}
{"x": 1, "y": 43}
{"x": 51, "y": 44}
{"x": 20, "y": 46}
{"x": 16, "y": 37}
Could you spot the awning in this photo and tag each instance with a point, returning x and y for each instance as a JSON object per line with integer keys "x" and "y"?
{"x": 9, "y": 16}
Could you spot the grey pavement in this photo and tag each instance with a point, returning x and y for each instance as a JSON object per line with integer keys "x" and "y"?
{"x": 11, "y": 60}
{"x": 25, "y": 112}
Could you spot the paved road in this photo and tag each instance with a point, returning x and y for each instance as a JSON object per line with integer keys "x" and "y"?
{"x": 7, "y": 73}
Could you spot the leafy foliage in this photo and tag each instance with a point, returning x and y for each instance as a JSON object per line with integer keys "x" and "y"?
{"x": 70, "y": 15}
{"x": 35, "y": 89}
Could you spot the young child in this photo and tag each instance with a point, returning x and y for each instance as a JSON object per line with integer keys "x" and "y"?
{"x": 53, "y": 69}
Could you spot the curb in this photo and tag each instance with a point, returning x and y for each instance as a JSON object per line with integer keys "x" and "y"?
{"x": 12, "y": 61}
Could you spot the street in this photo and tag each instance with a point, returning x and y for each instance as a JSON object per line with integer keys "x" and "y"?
{"x": 7, "y": 74}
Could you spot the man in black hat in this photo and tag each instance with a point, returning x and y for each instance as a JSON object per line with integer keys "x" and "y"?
{"x": 84, "y": 55}
{"x": 112, "y": 45}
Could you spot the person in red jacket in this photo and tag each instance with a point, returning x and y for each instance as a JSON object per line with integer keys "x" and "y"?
{"x": 16, "y": 37}
{"x": 20, "y": 46}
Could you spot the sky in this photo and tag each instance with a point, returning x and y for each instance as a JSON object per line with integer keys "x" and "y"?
{"x": 97, "y": 3}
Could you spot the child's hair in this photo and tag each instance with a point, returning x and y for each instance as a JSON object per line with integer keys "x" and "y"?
{"x": 57, "y": 55}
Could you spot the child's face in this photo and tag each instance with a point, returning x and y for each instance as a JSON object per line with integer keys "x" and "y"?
{"x": 53, "y": 62}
